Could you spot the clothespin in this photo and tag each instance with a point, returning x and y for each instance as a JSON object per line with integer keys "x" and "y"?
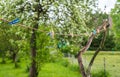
{"x": 72, "y": 34}
{"x": 14, "y": 21}
{"x": 51, "y": 33}
{"x": 94, "y": 32}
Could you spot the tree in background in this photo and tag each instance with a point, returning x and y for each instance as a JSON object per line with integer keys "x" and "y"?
{"x": 4, "y": 39}
{"x": 32, "y": 14}
{"x": 109, "y": 43}
{"x": 18, "y": 42}
{"x": 116, "y": 24}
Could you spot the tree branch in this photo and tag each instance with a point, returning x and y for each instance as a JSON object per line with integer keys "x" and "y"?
{"x": 99, "y": 29}
{"x": 96, "y": 53}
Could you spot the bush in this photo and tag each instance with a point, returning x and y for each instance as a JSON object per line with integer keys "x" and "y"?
{"x": 65, "y": 62}
{"x": 56, "y": 56}
{"x": 70, "y": 49}
{"x": 108, "y": 45}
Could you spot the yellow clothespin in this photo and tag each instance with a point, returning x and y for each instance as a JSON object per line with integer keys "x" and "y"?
{"x": 52, "y": 33}
{"x": 72, "y": 34}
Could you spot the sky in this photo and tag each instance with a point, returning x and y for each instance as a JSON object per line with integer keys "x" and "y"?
{"x": 108, "y": 3}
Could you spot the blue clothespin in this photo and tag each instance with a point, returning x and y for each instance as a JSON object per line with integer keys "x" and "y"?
{"x": 51, "y": 34}
{"x": 94, "y": 32}
{"x": 14, "y": 21}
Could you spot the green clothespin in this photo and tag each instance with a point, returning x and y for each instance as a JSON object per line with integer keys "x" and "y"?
{"x": 59, "y": 45}
{"x": 94, "y": 32}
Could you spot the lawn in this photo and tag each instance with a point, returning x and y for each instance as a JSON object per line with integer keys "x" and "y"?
{"x": 58, "y": 70}
{"x": 8, "y": 70}
{"x": 112, "y": 61}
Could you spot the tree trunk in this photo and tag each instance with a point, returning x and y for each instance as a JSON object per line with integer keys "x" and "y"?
{"x": 33, "y": 69}
{"x": 95, "y": 54}
{"x": 3, "y": 58}
{"x": 14, "y": 56}
{"x": 82, "y": 69}
{"x": 101, "y": 28}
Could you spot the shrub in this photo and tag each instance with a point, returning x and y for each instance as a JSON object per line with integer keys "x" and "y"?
{"x": 70, "y": 49}
{"x": 65, "y": 62}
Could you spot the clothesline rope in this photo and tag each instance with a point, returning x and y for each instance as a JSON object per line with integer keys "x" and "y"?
{"x": 52, "y": 31}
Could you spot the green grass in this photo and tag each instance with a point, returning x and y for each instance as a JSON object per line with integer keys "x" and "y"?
{"x": 49, "y": 70}
{"x": 8, "y": 70}
{"x": 56, "y": 70}
{"x": 59, "y": 69}
{"x": 112, "y": 62}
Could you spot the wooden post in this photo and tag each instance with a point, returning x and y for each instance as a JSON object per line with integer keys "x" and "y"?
{"x": 104, "y": 67}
